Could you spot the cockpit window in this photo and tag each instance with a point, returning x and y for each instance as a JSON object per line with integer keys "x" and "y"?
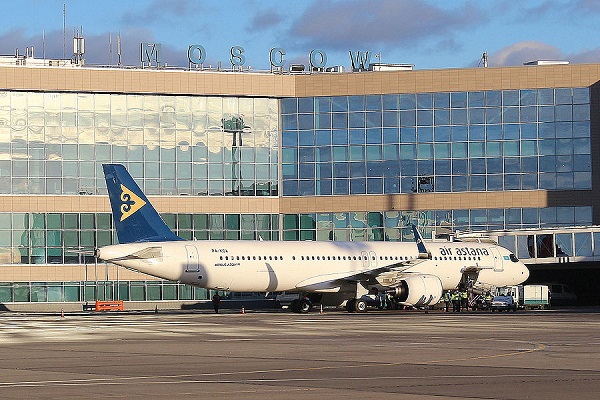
{"x": 513, "y": 258}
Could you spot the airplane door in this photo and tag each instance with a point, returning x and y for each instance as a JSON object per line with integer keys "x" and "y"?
{"x": 365, "y": 259}
{"x": 373, "y": 259}
{"x": 193, "y": 264}
{"x": 498, "y": 260}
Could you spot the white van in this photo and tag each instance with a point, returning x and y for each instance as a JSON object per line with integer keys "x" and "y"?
{"x": 561, "y": 294}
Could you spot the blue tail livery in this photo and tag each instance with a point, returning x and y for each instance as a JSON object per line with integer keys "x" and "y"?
{"x": 135, "y": 218}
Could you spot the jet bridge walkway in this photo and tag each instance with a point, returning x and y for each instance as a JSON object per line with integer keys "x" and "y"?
{"x": 548, "y": 246}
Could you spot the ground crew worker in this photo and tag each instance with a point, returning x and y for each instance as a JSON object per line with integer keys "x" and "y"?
{"x": 447, "y": 301}
{"x": 455, "y": 301}
{"x": 465, "y": 299}
{"x": 488, "y": 300}
{"x": 216, "y": 300}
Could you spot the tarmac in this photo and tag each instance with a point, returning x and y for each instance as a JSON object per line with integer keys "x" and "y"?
{"x": 551, "y": 354}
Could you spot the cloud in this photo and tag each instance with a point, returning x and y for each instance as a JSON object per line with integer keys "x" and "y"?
{"x": 157, "y": 10}
{"x": 518, "y": 53}
{"x": 264, "y": 21}
{"x": 340, "y": 25}
{"x": 97, "y": 49}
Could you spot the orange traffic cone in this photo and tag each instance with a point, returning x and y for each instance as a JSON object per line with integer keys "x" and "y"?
{"x": 321, "y": 311}
{"x": 62, "y": 313}
{"x": 243, "y": 310}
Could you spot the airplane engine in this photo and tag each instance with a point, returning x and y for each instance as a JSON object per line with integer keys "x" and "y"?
{"x": 418, "y": 290}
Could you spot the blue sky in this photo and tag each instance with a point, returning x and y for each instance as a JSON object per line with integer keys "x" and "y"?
{"x": 426, "y": 33}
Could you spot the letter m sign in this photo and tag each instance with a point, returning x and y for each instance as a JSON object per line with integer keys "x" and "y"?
{"x": 150, "y": 54}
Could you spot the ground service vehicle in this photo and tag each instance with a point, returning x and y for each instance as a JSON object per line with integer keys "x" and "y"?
{"x": 501, "y": 303}
{"x": 536, "y": 296}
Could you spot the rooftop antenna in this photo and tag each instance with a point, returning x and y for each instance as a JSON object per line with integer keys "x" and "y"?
{"x": 110, "y": 49}
{"x": 64, "y": 31}
{"x": 483, "y": 60}
{"x": 119, "y": 47}
{"x": 44, "y": 45}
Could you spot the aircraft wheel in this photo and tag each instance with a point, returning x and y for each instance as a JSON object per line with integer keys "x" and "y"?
{"x": 360, "y": 305}
{"x": 350, "y": 305}
{"x": 304, "y": 306}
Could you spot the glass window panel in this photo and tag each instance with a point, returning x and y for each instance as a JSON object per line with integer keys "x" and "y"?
{"x": 356, "y": 103}
{"x": 581, "y": 129}
{"x": 424, "y": 100}
{"x": 563, "y": 113}
{"x": 441, "y": 100}
{"x": 390, "y": 102}
{"x": 391, "y": 118}
{"x": 563, "y": 96}
{"x": 583, "y": 244}
{"x": 581, "y": 95}
{"x": 564, "y": 244}
{"x": 441, "y": 117}
{"x": 442, "y": 133}
{"x": 458, "y": 100}
{"x": 340, "y": 137}
{"x": 477, "y": 116}
{"x": 408, "y": 118}
{"x": 510, "y": 114}
{"x": 476, "y": 99}
{"x": 442, "y": 150}
{"x": 546, "y": 114}
{"x": 459, "y": 150}
{"x": 565, "y": 215}
{"x": 425, "y": 117}
{"x": 459, "y": 116}
{"x": 493, "y": 98}
{"x": 459, "y": 133}
{"x": 476, "y": 149}
{"x": 581, "y": 112}
{"x": 510, "y": 98}
{"x": 528, "y": 131}
{"x": 494, "y": 182}
{"x": 583, "y": 215}
{"x": 408, "y": 101}
{"x": 511, "y": 148}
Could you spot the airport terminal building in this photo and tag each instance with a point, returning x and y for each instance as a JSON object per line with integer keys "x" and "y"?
{"x": 285, "y": 156}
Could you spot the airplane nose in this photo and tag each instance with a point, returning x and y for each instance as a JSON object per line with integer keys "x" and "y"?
{"x": 524, "y": 272}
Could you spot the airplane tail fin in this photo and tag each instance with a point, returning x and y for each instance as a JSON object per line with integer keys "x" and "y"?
{"x": 135, "y": 218}
{"x": 423, "y": 252}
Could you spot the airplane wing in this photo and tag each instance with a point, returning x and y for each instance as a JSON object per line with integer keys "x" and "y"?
{"x": 390, "y": 274}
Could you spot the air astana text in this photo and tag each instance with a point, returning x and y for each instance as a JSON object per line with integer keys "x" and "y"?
{"x": 464, "y": 251}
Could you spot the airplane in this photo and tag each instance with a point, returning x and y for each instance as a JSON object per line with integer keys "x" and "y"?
{"x": 329, "y": 272}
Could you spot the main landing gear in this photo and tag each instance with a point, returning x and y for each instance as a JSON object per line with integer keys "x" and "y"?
{"x": 301, "y": 306}
{"x": 356, "y": 305}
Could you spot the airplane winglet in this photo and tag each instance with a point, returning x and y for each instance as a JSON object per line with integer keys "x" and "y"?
{"x": 423, "y": 253}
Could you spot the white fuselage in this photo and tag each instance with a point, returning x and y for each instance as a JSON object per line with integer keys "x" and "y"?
{"x": 264, "y": 266}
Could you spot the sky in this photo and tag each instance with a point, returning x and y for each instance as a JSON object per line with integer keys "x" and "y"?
{"x": 428, "y": 34}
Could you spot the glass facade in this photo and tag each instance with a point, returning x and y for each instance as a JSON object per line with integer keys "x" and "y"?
{"x": 55, "y": 143}
{"x": 437, "y": 142}
{"x": 60, "y": 238}
{"x": 396, "y": 225}
{"x": 79, "y": 291}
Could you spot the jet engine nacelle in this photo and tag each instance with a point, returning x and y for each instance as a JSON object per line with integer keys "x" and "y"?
{"x": 418, "y": 290}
